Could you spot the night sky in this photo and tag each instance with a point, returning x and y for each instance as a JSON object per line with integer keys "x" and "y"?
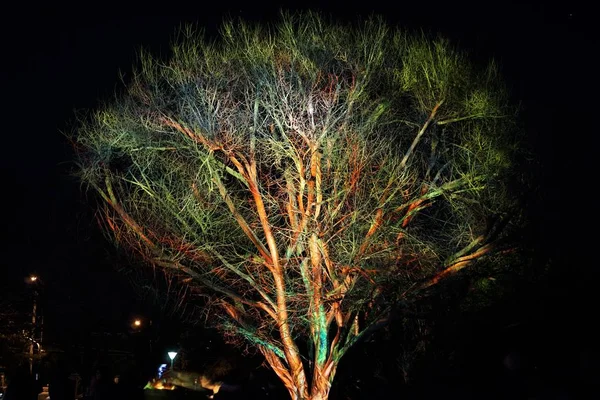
{"x": 59, "y": 60}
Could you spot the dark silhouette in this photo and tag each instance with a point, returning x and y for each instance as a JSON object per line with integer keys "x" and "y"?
{"x": 61, "y": 387}
{"x": 100, "y": 386}
{"x": 117, "y": 389}
{"x": 21, "y": 385}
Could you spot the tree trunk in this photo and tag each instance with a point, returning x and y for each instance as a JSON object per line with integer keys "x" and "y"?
{"x": 320, "y": 385}
{"x": 314, "y": 395}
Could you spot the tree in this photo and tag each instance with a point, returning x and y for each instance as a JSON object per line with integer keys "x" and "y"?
{"x": 306, "y": 180}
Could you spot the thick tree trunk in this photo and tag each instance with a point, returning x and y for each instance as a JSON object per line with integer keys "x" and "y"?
{"x": 314, "y": 395}
{"x": 320, "y": 385}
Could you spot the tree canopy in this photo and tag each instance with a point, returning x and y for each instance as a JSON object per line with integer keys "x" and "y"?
{"x": 306, "y": 178}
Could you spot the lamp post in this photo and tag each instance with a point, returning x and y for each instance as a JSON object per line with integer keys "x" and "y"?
{"x": 33, "y": 280}
{"x": 172, "y": 355}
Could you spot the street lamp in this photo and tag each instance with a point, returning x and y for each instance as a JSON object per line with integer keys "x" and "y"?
{"x": 172, "y": 355}
{"x": 33, "y": 280}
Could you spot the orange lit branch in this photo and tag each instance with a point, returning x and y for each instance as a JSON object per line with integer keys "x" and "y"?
{"x": 458, "y": 265}
{"x": 211, "y": 285}
{"x": 127, "y": 219}
{"x": 222, "y": 190}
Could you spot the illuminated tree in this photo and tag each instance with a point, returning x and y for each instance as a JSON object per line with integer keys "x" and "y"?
{"x": 308, "y": 178}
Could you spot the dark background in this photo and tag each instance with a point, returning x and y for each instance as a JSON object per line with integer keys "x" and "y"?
{"x": 58, "y": 59}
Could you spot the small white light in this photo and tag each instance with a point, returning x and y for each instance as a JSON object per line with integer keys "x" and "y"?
{"x": 172, "y": 355}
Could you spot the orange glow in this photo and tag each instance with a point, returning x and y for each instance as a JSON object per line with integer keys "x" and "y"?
{"x": 33, "y": 278}
{"x": 137, "y": 323}
{"x": 159, "y": 385}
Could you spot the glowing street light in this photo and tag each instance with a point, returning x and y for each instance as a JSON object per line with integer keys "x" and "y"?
{"x": 33, "y": 280}
{"x": 172, "y": 355}
{"x": 137, "y": 323}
